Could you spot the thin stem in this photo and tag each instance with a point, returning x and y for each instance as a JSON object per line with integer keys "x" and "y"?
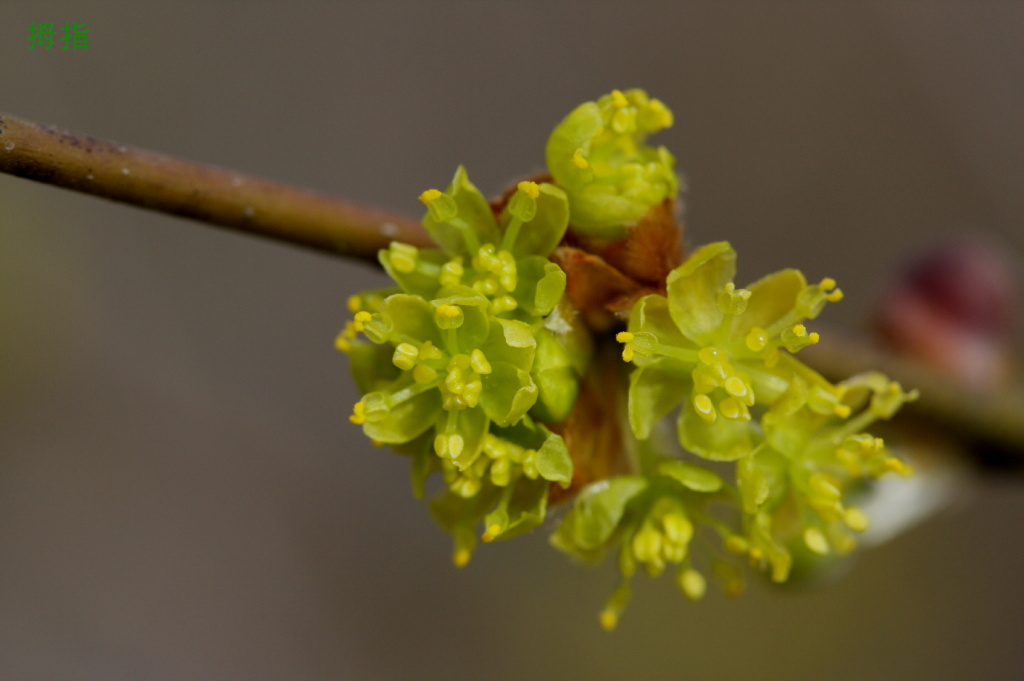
{"x": 205, "y": 193}
{"x": 991, "y": 425}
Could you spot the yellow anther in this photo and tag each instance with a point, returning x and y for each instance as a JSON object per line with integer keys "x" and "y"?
{"x": 730, "y": 408}
{"x": 835, "y": 296}
{"x": 628, "y": 354}
{"x": 815, "y": 540}
{"x": 619, "y": 100}
{"x": 842, "y": 411}
{"x": 814, "y": 337}
{"x": 403, "y": 256}
{"x": 405, "y": 356}
{"x": 343, "y": 342}
{"x": 429, "y": 196}
{"x": 705, "y": 408}
{"x": 855, "y": 519}
{"x": 736, "y": 544}
{"x": 429, "y": 351}
{"x": 529, "y": 188}
{"x": 608, "y": 619}
{"x": 461, "y": 558}
{"x": 355, "y": 304}
{"x": 578, "y": 160}
{"x": 479, "y": 363}
{"x": 503, "y": 304}
{"x": 827, "y": 283}
{"x": 624, "y": 336}
{"x": 358, "y": 416}
{"x": 799, "y": 330}
{"x": 734, "y": 385}
{"x": 757, "y": 339}
{"x": 361, "y": 318}
{"x": 693, "y": 584}
{"x": 491, "y": 533}
{"x": 448, "y": 311}
{"x": 451, "y": 272}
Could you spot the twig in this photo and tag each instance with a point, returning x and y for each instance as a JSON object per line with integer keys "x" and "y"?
{"x": 992, "y": 425}
{"x": 204, "y": 193}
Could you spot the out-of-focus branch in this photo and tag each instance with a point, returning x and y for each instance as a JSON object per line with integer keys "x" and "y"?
{"x": 212, "y": 195}
{"x": 991, "y": 424}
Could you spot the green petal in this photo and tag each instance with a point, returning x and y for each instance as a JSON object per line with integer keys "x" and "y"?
{"x": 406, "y": 420}
{"x": 697, "y": 478}
{"x": 510, "y": 341}
{"x": 651, "y": 315}
{"x": 423, "y": 463}
{"x": 654, "y": 391}
{"x": 761, "y": 478}
{"x": 473, "y": 424}
{"x": 723, "y": 440}
{"x": 601, "y": 210}
{"x": 693, "y": 289}
{"x": 771, "y": 298}
{"x": 409, "y": 319}
{"x": 554, "y": 462}
{"x": 555, "y": 376}
{"x": 508, "y": 393}
{"x": 590, "y": 523}
{"x": 474, "y": 214}
{"x": 421, "y": 281}
{"x": 476, "y": 325}
{"x": 574, "y": 132}
{"x": 544, "y": 232}
{"x": 541, "y": 285}
{"x": 526, "y": 509}
{"x": 371, "y": 366}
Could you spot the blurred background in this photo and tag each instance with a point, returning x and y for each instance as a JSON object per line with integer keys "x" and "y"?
{"x": 181, "y": 493}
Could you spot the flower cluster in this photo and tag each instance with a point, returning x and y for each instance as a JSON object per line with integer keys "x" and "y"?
{"x": 465, "y": 368}
{"x": 476, "y": 360}
{"x": 722, "y": 356}
{"x": 597, "y": 154}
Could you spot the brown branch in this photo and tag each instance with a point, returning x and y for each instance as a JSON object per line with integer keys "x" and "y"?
{"x": 991, "y": 425}
{"x": 205, "y": 193}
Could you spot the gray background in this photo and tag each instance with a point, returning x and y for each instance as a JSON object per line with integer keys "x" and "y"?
{"x": 181, "y": 494}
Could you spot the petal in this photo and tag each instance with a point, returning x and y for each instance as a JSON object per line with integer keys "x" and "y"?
{"x": 473, "y": 424}
{"x": 693, "y": 289}
{"x": 554, "y": 462}
{"x": 525, "y": 510}
{"x": 651, "y": 315}
{"x": 654, "y": 390}
{"x": 723, "y": 440}
{"x": 544, "y": 232}
{"x": 407, "y": 419}
{"x": 590, "y": 523}
{"x": 410, "y": 319}
{"x": 423, "y": 279}
{"x": 771, "y": 298}
{"x": 541, "y": 285}
{"x": 574, "y": 132}
{"x": 697, "y": 478}
{"x": 473, "y": 212}
{"x": 510, "y": 341}
{"x": 508, "y": 393}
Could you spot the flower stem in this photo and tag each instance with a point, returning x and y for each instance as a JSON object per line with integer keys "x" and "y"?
{"x": 205, "y": 193}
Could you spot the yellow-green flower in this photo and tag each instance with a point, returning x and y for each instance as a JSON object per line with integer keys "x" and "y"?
{"x": 597, "y": 154}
